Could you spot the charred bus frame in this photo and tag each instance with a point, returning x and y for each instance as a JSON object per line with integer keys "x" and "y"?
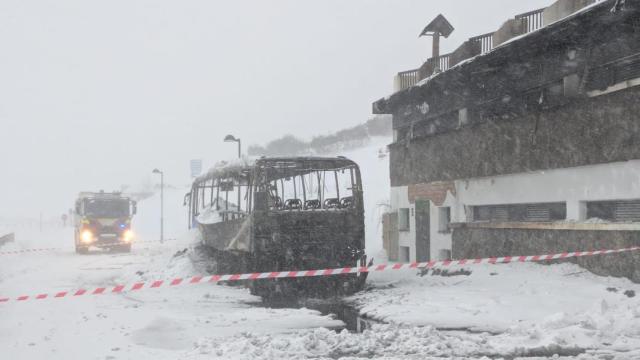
{"x": 297, "y": 213}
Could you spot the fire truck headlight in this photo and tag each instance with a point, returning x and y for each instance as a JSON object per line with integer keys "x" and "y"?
{"x": 127, "y": 236}
{"x": 86, "y": 236}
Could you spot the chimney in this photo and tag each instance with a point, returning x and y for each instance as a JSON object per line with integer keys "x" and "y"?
{"x": 437, "y": 27}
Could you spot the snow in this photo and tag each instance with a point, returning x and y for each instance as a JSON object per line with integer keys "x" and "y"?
{"x": 506, "y": 310}
{"x": 498, "y": 310}
{"x": 524, "y": 305}
{"x": 209, "y": 215}
{"x": 153, "y": 324}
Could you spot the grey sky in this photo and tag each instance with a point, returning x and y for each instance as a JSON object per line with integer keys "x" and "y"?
{"x": 94, "y": 94}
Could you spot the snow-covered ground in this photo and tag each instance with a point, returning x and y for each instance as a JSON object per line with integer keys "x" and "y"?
{"x": 144, "y": 325}
{"x": 496, "y": 311}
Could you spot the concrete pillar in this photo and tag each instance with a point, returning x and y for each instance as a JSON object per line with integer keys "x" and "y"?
{"x": 510, "y": 29}
{"x": 576, "y": 210}
{"x": 436, "y": 52}
{"x": 563, "y": 8}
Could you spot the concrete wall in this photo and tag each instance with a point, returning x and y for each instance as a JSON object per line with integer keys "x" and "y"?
{"x": 563, "y": 8}
{"x": 483, "y": 242}
{"x": 465, "y": 51}
{"x": 510, "y": 29}
{"x": 612, "y": 181}
{"x": 400, "y": 199}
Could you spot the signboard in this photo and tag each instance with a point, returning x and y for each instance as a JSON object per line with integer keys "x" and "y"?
{"x": 196, "y": 167}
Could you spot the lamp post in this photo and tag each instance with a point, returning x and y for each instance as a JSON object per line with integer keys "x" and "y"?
{"x": 231, "y": 138}
{"x": 156, "y": 171}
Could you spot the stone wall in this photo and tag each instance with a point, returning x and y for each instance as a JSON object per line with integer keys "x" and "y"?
{"x": 469, "y": 242}
{"x": 584, "y": 132}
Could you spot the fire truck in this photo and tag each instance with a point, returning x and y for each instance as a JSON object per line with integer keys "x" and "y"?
{"x": 103, "y": 220}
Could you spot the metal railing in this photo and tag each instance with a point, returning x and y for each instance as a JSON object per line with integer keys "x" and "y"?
{"x": 485, "y": 40}
{"x": 407, "y": 79}
{"x": 444, "y": 62}
{"x": 534, "y": 19}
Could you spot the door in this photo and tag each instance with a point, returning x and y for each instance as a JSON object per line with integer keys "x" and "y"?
{"x": 390, "y": 235}
{"x": 423, "y": 230}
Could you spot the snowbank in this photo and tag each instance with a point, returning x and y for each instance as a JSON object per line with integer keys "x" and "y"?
{"x": 513, "y": 310}
{"x": 382, "y": 341}
{"x": 525, "y": 305}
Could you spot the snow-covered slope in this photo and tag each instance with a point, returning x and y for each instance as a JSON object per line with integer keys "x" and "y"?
{"x": 147, "y": 220}
{"x": 374, "y": 166}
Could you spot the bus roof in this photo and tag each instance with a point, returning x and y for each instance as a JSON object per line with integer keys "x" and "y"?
{"x": 277, "y": 167}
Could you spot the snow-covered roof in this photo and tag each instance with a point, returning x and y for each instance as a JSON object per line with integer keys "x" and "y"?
{"x": 240, "y": 168}
{"x": 560, "y": 26}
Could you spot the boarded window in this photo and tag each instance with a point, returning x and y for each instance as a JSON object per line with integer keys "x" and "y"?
{"x": 403, "y": 219}
{"x": 538, "y": 212}
{"x": 616, "y": 211}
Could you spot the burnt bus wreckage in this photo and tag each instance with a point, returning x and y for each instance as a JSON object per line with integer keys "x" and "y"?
{"x": 278, "y": 214}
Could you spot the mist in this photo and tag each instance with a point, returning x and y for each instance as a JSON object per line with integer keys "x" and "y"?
{"x": 95, "y": 95}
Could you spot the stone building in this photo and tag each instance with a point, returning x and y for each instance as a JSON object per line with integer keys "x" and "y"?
{"x": 523, "y": 141}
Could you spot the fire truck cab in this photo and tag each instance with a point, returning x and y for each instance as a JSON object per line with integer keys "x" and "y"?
{"x": 103, "y": 220}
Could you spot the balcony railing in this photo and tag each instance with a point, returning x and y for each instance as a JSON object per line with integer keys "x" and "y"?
{"x": 409, "y": 78}
{"x": 486, "y": 42}
{"x": 534, "y": 19}
{"x": 406, "y": 79}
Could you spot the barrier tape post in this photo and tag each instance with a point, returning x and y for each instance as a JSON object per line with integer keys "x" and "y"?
{"x": 198, "y": 279}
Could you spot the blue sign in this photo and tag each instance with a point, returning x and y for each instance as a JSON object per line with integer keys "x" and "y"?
{"x": 196, "y": 167}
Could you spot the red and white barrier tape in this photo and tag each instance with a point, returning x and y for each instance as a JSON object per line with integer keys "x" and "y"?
{"x": 25, "y": 251}
{"x": 309, "y": 273}
{"x": 38, "y": 250}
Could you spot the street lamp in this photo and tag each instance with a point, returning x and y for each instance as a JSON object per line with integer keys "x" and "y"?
{"x": 156, "y": 171}
{"x": 231, "y": 138}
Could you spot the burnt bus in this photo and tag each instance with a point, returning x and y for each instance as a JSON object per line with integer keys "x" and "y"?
{"x": 277, "y": 214}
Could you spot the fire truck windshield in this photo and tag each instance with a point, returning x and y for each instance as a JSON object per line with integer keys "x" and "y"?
{"x": 106, "y": 208}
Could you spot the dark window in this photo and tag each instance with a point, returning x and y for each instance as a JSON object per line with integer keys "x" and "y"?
{"x": 403, "y": 220}
{"x": 520, "y": 212}
{"x": 617, "y": 211}
{"x": 444, "y": 219}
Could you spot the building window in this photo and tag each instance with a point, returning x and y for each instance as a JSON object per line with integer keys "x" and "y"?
{"x": 444, "y": 219}
{"x": 403, "y": 219}
{"x": 539, "y": 212}
{"x": 616, "y": 211}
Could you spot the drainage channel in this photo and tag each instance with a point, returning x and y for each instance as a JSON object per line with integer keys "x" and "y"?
{"x": 337, "y": 308}
{"x": 356, "y": 323}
